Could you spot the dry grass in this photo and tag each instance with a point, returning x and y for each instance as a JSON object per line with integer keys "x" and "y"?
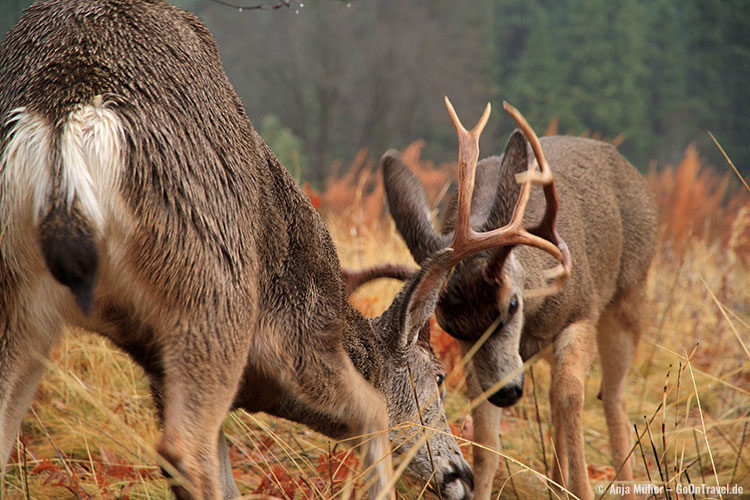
{"x": 92, "y": 426}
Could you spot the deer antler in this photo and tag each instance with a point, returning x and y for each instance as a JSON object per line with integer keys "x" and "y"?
{"x": 546, "y": 228}
{"x": 354, "y": 279}
{"x": 466, "y": 241}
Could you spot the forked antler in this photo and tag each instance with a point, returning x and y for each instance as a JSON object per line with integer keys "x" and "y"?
{"x": 467, "y": 242}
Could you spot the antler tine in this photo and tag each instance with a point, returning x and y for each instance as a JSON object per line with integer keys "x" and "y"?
{"x": 456, "y": 121}
{"x": 545, "y": 177}
{"x": 478, "y": 128}
{"x": 468, "y": 154}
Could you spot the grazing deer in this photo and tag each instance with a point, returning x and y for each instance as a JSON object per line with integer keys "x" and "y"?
{"x": 607, "y": 216}
{"x": 137, "y": 201}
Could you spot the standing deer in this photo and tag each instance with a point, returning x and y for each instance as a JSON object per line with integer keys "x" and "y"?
{"x": 137, "y": 201}
{"x": 607, "y": 217}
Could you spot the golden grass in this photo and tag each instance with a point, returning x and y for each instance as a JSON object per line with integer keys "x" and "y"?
{"x": 91, "y": 428}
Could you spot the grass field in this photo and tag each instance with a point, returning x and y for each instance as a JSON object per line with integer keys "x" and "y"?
{"x": 92, "y": 426}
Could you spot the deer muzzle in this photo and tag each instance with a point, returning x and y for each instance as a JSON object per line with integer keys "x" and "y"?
{"x": 458, "y": 483}
{"x": 509, "y": 394}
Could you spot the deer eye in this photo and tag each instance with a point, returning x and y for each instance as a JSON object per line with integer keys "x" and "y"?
{"x": 439, "y": 379}
{"x": 512, "y": 306}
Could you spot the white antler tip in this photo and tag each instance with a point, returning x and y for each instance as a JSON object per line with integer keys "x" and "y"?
{"x": 556, "y": 272}
{"x": 483, "y": 120}
{"x": 534, "y": 176}
{"x": 449, "y": 105}
{"x": 454, "y": 117}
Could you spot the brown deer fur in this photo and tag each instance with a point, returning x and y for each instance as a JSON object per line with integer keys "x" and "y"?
{"x": 137, "y": 201}
{"x": 607, "y": 217}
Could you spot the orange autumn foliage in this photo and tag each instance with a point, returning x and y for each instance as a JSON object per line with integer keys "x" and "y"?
{"x": 695, "y": 202}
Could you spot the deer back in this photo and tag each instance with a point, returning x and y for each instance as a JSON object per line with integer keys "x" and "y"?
{"x": 607, "y": 218}
{"x": 193, "y": 196}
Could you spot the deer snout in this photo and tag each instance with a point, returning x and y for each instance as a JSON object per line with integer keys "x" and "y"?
{"x": 508, "y": 395}
{"x": 458, "y": 482}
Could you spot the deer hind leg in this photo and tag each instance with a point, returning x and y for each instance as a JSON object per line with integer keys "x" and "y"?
{"x": 15, "y": 397}
{"x": 199, "y": 384}
{"x": 30, "y": 326}
{"x": 618, "y": 333}
{"x": 16, "y": 393}
{"x": 226, "y": 478}
{"x": 572, "y": 352}
{"x": 486, "y": 418}
{"x": 122, "y": 328}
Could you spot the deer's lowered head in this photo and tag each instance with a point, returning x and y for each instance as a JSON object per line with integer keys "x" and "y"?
{"x": 413, "y": 383}
{"x": 393, "y": 353}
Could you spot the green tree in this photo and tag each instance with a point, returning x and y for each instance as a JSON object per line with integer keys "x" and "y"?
{"x": 627, "y": 102}
{"x": 734, "y": 131}
{"x": 538, "y": 84}
{"x": 707, "y": 92}
{"x": 665, "y": 83}
{"x": 588, "y": 67}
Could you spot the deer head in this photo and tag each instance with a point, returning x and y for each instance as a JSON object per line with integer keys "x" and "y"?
{"x": 484, "y": 298}
{"x": 412, "y": 381}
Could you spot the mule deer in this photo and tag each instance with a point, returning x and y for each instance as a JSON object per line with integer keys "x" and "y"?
{"x": 607, "y": 216}
{"x": 137, "y": 201}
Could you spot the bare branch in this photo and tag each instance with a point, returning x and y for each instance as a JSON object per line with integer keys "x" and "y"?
{"x": 277, "y": 5}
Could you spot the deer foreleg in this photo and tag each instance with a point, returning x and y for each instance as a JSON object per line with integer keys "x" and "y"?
{"x": 199, "y": 388}
{"x": 617, "y": 336}
{"x": 486, "y": 419}
{"x": 572, "y": 351}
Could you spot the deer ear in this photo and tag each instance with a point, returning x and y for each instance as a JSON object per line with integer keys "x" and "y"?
{"x": 414, "y": 304}
{"x": 515, "y": 160}
{"x": 409, "y": 209}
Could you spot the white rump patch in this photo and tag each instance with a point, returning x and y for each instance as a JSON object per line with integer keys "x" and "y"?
{"x": 91, "y": 149}
{"x": 25, "y": 166}
{"x": 91, "y": 154}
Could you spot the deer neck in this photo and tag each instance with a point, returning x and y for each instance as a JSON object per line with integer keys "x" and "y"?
{"x": 364, "y": 347}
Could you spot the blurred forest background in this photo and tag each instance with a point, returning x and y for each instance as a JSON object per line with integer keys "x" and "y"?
{"x": 325, "y": 78}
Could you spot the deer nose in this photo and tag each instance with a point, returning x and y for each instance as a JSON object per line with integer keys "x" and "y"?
{"x": 459, "y": 472}
{"x": 507, "y": 395}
